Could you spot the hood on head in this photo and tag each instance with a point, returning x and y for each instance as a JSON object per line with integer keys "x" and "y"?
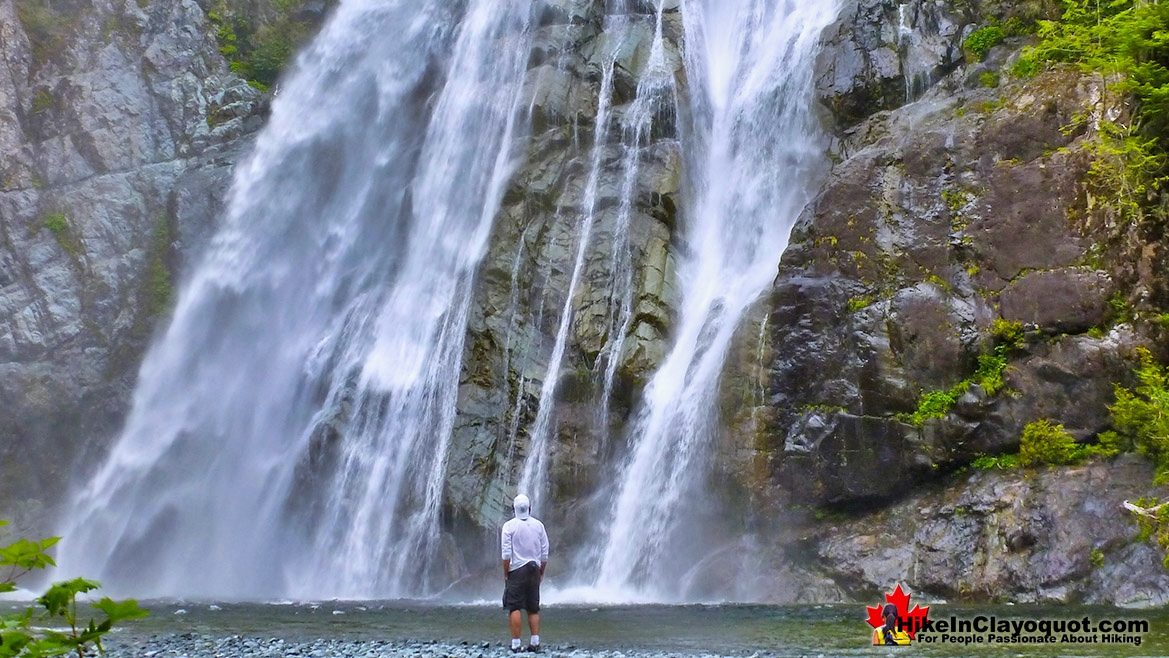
{"x": 523, "y": 507}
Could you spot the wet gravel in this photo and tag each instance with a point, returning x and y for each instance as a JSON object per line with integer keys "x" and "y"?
{"x": 193, "y": 645}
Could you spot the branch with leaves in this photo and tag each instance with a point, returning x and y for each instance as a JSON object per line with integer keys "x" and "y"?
{"x": 29, "y": 634}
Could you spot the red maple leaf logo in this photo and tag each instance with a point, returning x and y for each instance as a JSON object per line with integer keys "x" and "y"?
{"x": 910, "y": 621}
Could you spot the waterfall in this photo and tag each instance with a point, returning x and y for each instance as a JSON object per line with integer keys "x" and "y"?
{"x": 288, "y": 434}
{"x": 752, "y": 159}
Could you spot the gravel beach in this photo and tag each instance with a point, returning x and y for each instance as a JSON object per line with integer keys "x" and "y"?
{"x": 192, "y": 645}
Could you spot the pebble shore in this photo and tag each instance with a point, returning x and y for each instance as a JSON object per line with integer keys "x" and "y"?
{"x": 192, "y": 645}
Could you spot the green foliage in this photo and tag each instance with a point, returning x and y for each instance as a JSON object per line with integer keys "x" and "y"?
{"x": 989, "y": 79}
{"x": 1140, "y": 415}
{"x": 55, "y": 628}
{"x": 995, "y": 462}
{"x": 1096, "y": 558}
{"x": 1128, "y": 42}
{"x": 159, "y": 289}
{"x": 980, "y": 41}
{"x": 936, "y": 404}
{"x": 990, "y": 375}
{"x": 1155, "y": 528}
{"x": 860, "y": 303}
{"x": 58, "y": 224}
{"x": 1046, "y": 442}
{"x": 258, "y": 52}
{"x": 990, "y": 371}
{"x": 1008, "y": 333}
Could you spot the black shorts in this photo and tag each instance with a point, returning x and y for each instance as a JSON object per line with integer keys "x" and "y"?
{"x": 522, "y": 590}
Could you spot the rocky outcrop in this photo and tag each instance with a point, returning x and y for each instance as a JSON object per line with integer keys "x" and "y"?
{"x": 881, "y": 54}
{"x": 1047, "y": 536}
{"x": 952, "y": 214}
{"x": 943, "y": 217}
{"x": 119, "y": 125}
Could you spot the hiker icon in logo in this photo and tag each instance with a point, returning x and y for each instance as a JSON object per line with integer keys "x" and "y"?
{"x": 893, "y": 623}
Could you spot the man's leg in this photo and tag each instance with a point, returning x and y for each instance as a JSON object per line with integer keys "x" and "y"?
{"x": 534, "y": 623}
{"x": 513, "y": 623}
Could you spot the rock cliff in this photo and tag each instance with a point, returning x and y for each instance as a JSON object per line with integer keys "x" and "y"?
{"x": 952, "y": 212}
{"x": 119, "y": 127}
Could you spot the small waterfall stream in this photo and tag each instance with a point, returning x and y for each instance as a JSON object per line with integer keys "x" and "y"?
{"x": 753, "y": 160}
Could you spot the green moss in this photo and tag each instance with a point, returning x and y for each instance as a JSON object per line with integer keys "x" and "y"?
{"x": 990, "y": 375}
{"x": 955, "y": 199}
{"x": 1096, "y": 558}
{"x": 936, "y": 404}
{"x": 860, "y": 303}
{"x": 990, "y": 372}
{"x": 58, "y": 224}
{"x": 938, "y": 282}
{"x": 158, "y": 287}
{"x": 989, "y": 79}
{"x": 48, "y": 29}
{"x": 978, "y": 44}
{"x": 1007, "y": 332}
{"x": 995, "y": 462}
{"x": 42, "y": 100}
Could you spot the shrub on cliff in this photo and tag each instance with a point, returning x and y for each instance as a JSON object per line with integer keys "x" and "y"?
{"x": 53, "y": 629}
{"x": 1044, "y": 442}
{"x": 259, "y": 44}
{"x": 1128, "y": 41}
{"x": 1140, "y": 415}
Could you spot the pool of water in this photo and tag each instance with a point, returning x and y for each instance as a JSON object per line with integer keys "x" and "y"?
{"x": 836, "y": 630}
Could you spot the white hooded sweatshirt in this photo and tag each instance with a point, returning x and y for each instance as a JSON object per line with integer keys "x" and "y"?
{"x": 524, "y": 539}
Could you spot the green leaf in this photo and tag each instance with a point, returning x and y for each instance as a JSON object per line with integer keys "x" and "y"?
{"x": 120, "y": 610}
{"x": 58, "y": 597}
{"x": 25, "y": 554}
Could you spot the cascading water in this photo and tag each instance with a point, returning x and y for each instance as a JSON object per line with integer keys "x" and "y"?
{"x": 289, "y": 431}
{"x": 754, "y": 153}
{"x": 289, "y": 436}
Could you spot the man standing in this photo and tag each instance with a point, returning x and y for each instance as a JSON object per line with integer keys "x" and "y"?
{"x": 525, "y": 556}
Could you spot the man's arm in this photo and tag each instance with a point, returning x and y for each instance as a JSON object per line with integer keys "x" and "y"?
{"x": 543, "y": 551}
{"x": 505, "y": 544}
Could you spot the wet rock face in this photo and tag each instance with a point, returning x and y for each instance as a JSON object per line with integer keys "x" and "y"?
{"x": 939, "y": 221}
{"x": 119, "y": 125}
{"x": 624, "y": 299}
{"x": 882, "y": 54}
{"x": 1057, "y": 536}
{"x": 949, "y": 213}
